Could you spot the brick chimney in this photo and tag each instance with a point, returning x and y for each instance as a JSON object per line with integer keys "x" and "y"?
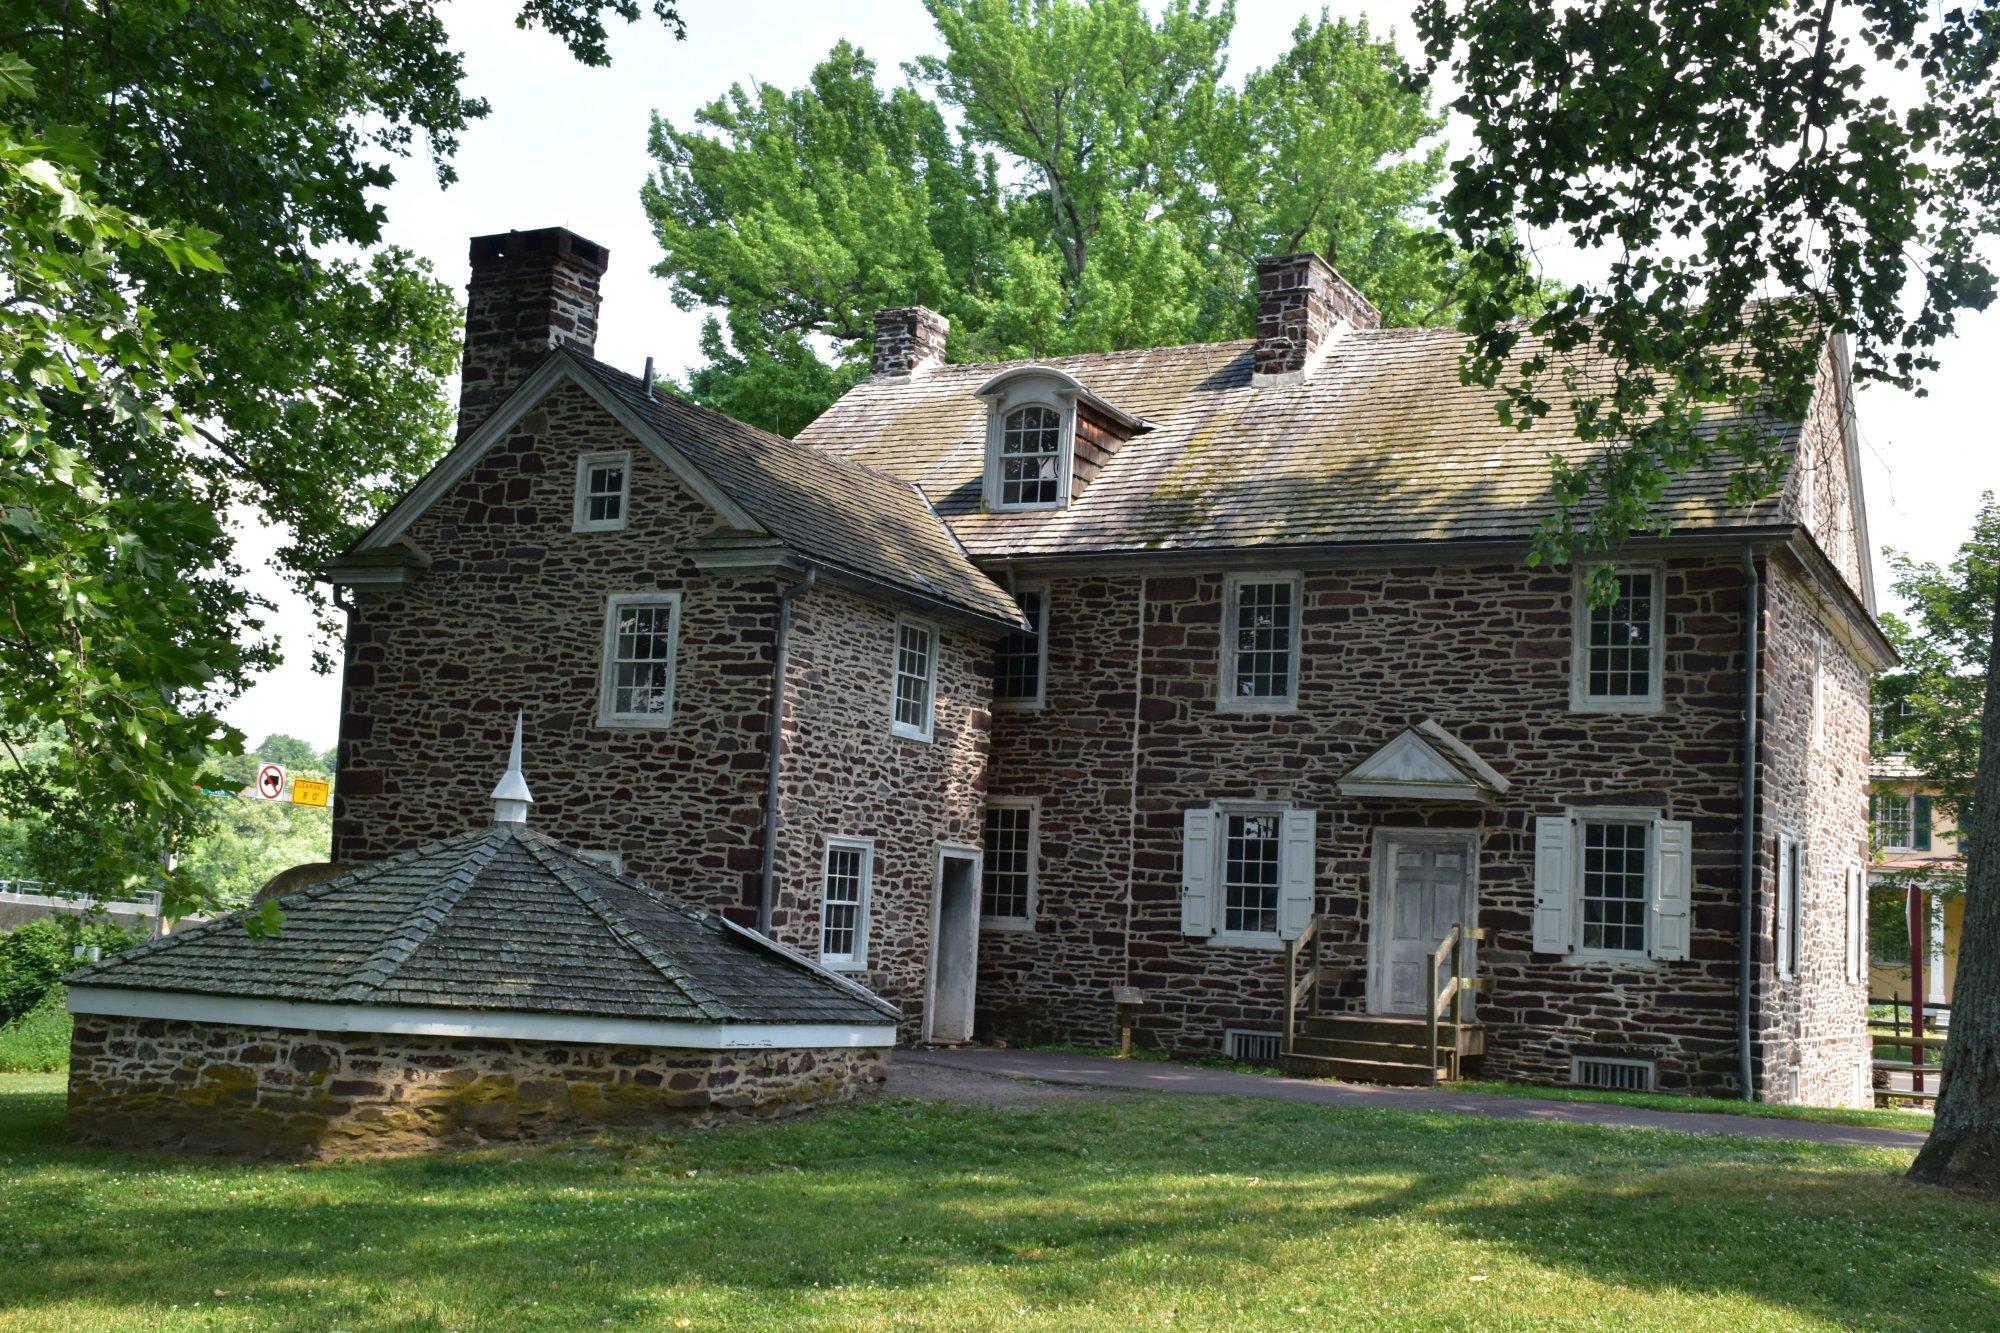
{"x": 1301, "y": 305}
{"x": 530, "y": 291}
{"x": 909, "y": 340}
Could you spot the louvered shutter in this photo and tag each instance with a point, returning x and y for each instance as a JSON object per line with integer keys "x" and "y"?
{"x": 1296, "y": 900}
{"x": 1672, "y": 885}
{"x": 1198, "y": 872}
{"x": 1921, "y": 819}
{"x": 1788, "y": 871}
{"x": 1553, "y": 893}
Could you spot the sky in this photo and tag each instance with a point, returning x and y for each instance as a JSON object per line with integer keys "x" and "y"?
{"x": 566, "y": 146}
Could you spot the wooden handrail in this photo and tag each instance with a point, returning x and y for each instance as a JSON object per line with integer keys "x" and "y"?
{"x": 1433, "y": 998}
{"x": 1297, "y": 987}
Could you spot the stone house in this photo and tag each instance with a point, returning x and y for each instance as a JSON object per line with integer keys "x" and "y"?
{"x": 1202, "y": 685}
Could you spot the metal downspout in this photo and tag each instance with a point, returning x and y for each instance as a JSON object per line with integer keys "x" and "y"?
{"x": 781, "y": 654}
{"x": 1746, "y": 925}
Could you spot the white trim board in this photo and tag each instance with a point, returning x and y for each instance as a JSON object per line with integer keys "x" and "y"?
{"x": 431, "y": 1021}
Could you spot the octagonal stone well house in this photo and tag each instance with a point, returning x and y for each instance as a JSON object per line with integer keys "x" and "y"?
{"x": 492, "y": 987}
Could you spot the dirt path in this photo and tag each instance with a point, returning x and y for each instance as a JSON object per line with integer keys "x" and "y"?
{"x": 1025, "y": 1078}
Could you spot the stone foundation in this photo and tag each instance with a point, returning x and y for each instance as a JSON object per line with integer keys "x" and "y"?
{"x": 268, "y": 1093}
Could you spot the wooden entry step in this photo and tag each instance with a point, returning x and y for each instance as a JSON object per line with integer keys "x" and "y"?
{"x": 1381, "y": 1048}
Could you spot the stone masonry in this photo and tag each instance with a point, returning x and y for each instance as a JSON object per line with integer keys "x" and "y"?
{"x": 276, "y": 1093}
{"x": 530, "y": 291}
{"x": 1300, "y": 302}
{"x": 909, "y": 340}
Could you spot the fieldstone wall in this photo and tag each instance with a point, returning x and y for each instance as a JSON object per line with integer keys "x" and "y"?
{"x": 1131, "y": 737}
{"x": 846, "y": 775}
{"x": 272, "y": 1093}
{"x": 511, "y": 615}
{"x": 1815, "y": 1024}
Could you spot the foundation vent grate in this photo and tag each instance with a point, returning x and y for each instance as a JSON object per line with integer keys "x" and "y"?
{"x": 1595, "y": 1071}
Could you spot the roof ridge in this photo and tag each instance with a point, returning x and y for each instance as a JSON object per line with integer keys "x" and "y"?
{"x": 432, "y": 912}
{"x": 367, "y": 870}
{"x": 543, "y": 849}
{"x": 682, "y": 400}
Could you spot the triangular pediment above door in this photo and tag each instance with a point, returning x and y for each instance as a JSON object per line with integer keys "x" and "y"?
{"x": 1424, "y": 763}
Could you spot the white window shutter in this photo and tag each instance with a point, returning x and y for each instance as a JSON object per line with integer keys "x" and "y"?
{"x": 1296, "y": 900}
{"x": 1198, "y": 871}
{"x": 1787, "y": 854}
{"x": 1672, "y": 886}
{"x": 1553, "y": 859}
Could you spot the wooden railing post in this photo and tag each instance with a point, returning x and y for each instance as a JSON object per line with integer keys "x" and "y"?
{"x": 1291, "y": 994}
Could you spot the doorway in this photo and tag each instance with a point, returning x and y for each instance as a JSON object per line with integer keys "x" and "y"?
{"x": 954, "y": 960}
{"x": 1424, "y": 881}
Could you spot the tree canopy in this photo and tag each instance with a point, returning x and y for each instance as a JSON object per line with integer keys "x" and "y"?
{"x": 1106, "y": 186}
{"x": 1753, "y": 178}
{"x": 196, "y": 314}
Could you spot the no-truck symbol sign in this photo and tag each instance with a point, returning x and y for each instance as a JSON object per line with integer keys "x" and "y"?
{"x": 271, "y": 781}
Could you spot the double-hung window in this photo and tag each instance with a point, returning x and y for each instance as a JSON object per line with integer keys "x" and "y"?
{"x": 603, "y": 492}
{"x": 1791, "y": 904}
{"x": 913, "y": 700}
{"x": 1260, "y": 643}
{"x": 843, "y": 919}
{"x": 1893, "y": 815}
{"x": 1007, "y": 877}
{"x": 1613, "y": 885}
{"x": 1618, "y": 659}
{"x": 1031, "y": 458}
{"x": 1248, "y": 873}
{"x": 1022, "y": 659}
{"x": 637, "y": 685}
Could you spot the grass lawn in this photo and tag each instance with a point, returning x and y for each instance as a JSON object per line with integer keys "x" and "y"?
{"x": 1082, "y": 1213}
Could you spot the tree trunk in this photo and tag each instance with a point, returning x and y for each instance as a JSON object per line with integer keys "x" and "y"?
{"x": 1964, "y": 1147}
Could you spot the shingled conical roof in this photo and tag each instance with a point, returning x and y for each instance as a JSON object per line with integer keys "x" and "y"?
{"x": 504, "y": 918}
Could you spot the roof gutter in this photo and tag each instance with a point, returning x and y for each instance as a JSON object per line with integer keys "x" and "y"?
{"x": 1746, "y": 917}
{"x": 781, "y": 654}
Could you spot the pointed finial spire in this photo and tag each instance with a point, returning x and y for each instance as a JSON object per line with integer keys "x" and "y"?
{"x": 511, "y": 799}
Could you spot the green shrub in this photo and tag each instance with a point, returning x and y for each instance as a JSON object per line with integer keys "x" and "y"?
{"x": 37, "y": 1042}
{"x": 34, "y": 957}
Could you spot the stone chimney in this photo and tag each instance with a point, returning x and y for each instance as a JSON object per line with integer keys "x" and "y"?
{"x": 1302, "y": 305}
{"x": 909, "y": 340}
{"x": 530, "y": 291}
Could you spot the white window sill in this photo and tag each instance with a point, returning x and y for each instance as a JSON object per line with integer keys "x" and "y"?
{"x": 1614, "y": 958}
{"x": 1227, "y": 939}
{"x": 844, "y": 964}
{"x": 618, "y": 526}
{"x": 1626, "y": 706}
{"x": 636, "y": 722}
{"x": 1007, "y": 925}
{"x": 903, "y": 733}
{"x": 1000, "y": 507}
{"x": 1018, "y": 705}
{"x": 1256, "y": 706}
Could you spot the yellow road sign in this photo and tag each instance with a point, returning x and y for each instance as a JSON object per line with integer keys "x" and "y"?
{"x": 311, "y": 791}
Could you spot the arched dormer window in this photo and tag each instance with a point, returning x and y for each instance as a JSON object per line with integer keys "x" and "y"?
{"x": 1034, "y": 416}
{"x": 1031, "y": 458}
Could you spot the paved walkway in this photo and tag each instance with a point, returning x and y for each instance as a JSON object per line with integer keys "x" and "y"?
{"x": 1098, "y": 1071}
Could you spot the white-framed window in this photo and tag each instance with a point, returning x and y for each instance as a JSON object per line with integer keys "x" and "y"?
{"x": 1012, "y": 852}
{"x": 913, "y": 695}
{"x": 1260, "y": 642}
{"x": 1791, "y": 902}
{"x": 1893, "y": 814}
{"x": 1619, "y": 658}
{"x": 1248, "y": 873}
{"x": 1021, "y": 664}
{"x": 641, "y": 630}
{"x": 612, "y": 863}
{"x": 844, "y": 901}
{"x": 603, "y": 491}
{"x": 1857, "y": 922}
{"x": 1031, "y": 458}
{"x": 1613, "y": 884}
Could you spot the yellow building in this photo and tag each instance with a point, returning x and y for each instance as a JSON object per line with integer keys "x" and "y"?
{"x": 1916, "y": 849}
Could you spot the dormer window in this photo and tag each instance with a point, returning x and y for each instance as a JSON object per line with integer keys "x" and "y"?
{"x": 1046, "y": 437}
{"x": 1031, "y": 458}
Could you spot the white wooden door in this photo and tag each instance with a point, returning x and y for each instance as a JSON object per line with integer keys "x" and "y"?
{"x": 1425, "y": 893}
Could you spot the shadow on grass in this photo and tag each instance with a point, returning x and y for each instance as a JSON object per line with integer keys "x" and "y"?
{"x": 1103, "y": 1211}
